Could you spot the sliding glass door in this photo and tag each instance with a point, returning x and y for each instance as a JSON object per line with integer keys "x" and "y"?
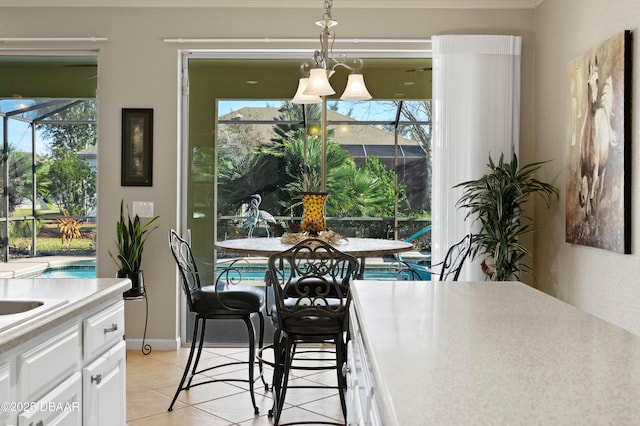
{"x": 242, "y": 138}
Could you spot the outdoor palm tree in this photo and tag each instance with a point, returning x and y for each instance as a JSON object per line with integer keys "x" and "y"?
{"x": 496, "y": 201}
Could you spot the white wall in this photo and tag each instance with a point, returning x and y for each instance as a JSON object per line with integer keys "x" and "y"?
{"x": 137, "y": 69}
{"x": 598, "y": 281}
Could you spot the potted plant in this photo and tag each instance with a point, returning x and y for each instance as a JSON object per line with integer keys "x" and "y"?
{"x": 496, "y": 201}
{"x": 131, "y": 235}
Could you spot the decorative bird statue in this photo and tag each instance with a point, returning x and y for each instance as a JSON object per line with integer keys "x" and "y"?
{"x": 255, "y": 216}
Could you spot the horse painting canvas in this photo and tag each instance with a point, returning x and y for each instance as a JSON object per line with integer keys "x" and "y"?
{"x": 599, "y": 133}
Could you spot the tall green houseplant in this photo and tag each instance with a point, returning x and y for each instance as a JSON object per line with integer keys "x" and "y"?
{"x": 496, "y": 201}
{"x": 130, "y": 238}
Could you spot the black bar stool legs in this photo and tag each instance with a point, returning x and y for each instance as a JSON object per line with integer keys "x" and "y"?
{"x": 188, "y": 366}
{"x": 191, "y": 369}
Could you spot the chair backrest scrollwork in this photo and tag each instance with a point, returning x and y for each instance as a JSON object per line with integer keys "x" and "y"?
{"x": 181, "y": 251}
{"x": 453, "y": 261}
{"x": 311, "y": 279}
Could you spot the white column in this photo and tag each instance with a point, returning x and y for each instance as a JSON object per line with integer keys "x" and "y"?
{"x": 476, "y": 113}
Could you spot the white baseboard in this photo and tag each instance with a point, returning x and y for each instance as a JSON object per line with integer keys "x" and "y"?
{"x": 156, "y": 344}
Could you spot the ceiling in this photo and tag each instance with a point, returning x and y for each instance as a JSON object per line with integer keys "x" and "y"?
{"x": 389, "y": 78}
{"x": 51, "y": 76}
{"x": 76, "y": 76}
{"x": 357, "y": 4}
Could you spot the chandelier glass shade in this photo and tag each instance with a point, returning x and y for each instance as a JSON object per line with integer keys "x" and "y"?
{"x": 319, "y": 83}
{"x": 356, "y": 89}
{"x": 301, "y": 97}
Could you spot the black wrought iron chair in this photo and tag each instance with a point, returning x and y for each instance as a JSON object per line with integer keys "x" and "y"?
{"x": 311, "y": 289}
{"x": 222, "y": 300}
{"x": 454, "y": 259}
{"x": 449, "y": 269}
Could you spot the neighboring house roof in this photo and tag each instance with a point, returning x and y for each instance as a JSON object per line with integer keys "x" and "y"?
{"x": 360, "y": 137}
{"x": 88, "y": 153}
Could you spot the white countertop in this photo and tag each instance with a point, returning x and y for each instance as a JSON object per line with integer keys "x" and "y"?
{"x": 494, "y": 353}
{"x": 65, "y": 298}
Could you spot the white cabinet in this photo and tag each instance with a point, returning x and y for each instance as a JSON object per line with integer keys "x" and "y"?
{"x": 104, "y": 389}
{"x": 61, "y": 406}
{"x": 353, "y": 396}
{"x": 103, "y": 330}
{"x": 71, "y": 374}
{"x": 48, "y": 363}
{"x": 362, "y": 408}
{"x": 6, "y": 393}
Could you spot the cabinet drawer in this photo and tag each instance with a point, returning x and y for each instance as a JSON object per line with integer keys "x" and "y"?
{"x": 61, "y": 406}
{"x": 48, "y": 363}
{"x": 103, "y": 330}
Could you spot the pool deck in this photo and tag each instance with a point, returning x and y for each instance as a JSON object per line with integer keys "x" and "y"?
{"x": 21, "y": 267}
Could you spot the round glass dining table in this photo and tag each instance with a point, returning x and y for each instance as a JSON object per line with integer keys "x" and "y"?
{"x": 357, "y": 247}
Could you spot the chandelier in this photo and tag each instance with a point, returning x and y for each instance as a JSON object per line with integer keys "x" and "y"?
{"x": 314, "y": 84}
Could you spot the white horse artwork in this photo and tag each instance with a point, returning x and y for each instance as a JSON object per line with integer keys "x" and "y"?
{"x": 598, "y": 184}
{"x": 596, "y": 137}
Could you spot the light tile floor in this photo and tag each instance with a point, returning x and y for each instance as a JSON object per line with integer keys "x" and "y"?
{"x": 152, "y": 380}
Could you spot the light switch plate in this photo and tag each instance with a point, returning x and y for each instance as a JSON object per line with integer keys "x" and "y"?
{"x": 143, "y": 208}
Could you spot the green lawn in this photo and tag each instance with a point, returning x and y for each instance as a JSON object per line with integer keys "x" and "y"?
{"x": 48, "y": 238}
{"x": 49, "y": 243}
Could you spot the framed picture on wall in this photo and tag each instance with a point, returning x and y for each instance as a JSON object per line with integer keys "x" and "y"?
{"x": 137, "y": 147}
{"x": 598, "y": 204}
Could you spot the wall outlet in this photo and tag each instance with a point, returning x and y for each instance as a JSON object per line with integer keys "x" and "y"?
{"x": 143, "y": 208}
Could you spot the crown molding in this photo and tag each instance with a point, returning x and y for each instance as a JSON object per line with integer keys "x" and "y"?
{"x": 352, "y": 4}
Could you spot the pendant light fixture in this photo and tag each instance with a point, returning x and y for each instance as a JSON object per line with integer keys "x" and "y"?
{"x": 315, "y": 83}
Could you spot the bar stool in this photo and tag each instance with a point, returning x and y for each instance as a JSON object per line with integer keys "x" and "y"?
{"x": 310, "y": 284}
{"x": 222, "y": 300}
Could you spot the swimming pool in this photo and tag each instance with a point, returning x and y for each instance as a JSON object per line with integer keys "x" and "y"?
{"x": 78, "y": 269}
{"x": 252, "y": 273}
{"x": 65, "y": 272}
{"x": 372, "y": 272}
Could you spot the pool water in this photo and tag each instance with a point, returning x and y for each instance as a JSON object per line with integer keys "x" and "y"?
{"x": 73, "y": 269}
{"x": 374, "y": 273}
{"x": 250, "y": 274}
{"x": 67, "y": 273}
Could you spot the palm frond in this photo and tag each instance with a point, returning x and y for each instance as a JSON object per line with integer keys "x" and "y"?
{"x": 495, "y": 201}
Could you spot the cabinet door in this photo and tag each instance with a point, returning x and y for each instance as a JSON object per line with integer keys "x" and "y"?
{"x": 47, "y": 364}
{"x": 103, "y": 390}
{"x": 6, "y": 417}
{"x": 354, "y": 405}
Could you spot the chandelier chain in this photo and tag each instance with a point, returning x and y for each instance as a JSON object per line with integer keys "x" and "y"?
{"x": 327, "y": 9}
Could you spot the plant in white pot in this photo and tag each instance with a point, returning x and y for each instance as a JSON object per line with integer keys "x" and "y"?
{"x": 130, "y": 238}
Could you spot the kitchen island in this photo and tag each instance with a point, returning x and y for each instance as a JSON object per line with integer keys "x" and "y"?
{"x": 62, "y": 353}
{"x": 485, "y": 353}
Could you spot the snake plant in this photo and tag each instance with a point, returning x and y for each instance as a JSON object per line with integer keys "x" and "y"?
{"x": 130, "y": 238}
{"x": 496, "y": 201}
